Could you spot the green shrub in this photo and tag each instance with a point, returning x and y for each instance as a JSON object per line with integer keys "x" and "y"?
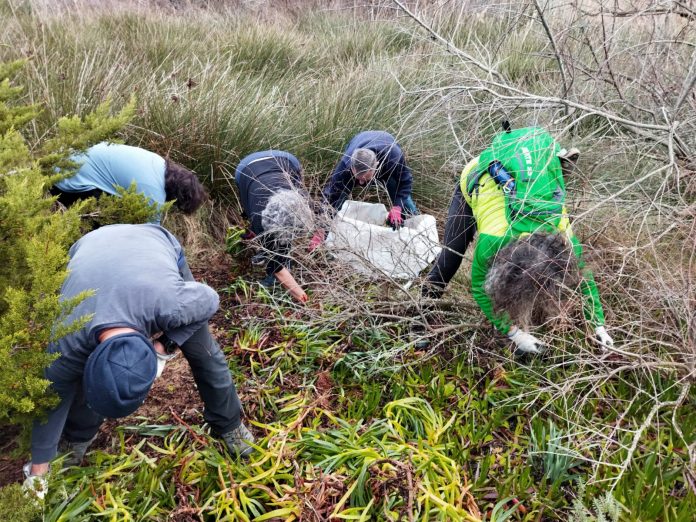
{"x": 35, "y": 239}
{"x": 15, "y": 506}
{"x": 129, "y": 206}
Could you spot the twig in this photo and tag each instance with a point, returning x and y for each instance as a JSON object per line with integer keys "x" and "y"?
{"x": 552, "y": 40}
{"x": 188, "y": 427}
{"x": 449, "y": 46}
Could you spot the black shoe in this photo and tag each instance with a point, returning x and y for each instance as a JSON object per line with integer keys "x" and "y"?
{"x": 258, "y": 260}
{"x": 269, "y": 281}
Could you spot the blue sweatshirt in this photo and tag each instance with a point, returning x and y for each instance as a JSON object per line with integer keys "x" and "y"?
{"x": 106, "y": 166}
{"x": 391, "y": 164}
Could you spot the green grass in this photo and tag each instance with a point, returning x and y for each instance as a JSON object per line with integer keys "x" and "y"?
{"x": 440, "y": 440}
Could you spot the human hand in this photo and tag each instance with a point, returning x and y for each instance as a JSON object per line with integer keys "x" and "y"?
{"x": 317, "y": 239}
{"x": 524, "y": 342}
{"x": 298, "y": 294}
{"x": 248, "y": 235}
{"x": 394, "y": 217}
{"x": 603, "y": 338}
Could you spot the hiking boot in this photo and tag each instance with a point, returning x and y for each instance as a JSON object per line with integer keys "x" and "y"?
{"x": 269, "y": 281}
{"x": 259, "y": 259}
{"x": 76, "y": 451}
{"x": 237, "y": 441}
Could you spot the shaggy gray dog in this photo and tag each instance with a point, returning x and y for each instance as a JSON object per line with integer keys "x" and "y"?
{"x": 287, "y": 216}
{"x": 530, "y": 276}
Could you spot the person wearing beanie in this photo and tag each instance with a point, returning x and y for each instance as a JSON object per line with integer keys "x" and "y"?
{"x": 527, "y": 256}
{"x": 371, "y": 156}
{"x": 142, "y": 303}
{"x": 107, "y": 167}
{"x": 275, "y": 202}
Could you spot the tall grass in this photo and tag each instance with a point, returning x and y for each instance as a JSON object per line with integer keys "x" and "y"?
{"x": 214, "y": 87}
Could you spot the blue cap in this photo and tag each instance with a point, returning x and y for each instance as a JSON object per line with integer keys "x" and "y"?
{"x": 118, "y": 374}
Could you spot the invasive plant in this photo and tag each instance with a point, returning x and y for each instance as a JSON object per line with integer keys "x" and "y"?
{"x": 233, "y": 241}
{"x": 551, "y": 454}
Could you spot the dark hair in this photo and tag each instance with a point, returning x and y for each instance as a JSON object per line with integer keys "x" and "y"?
{"x": 529, "y": 276}
{"x": 182, "y": 185}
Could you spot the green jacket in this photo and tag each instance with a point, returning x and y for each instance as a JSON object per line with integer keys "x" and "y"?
{"x": 487, "y": 203}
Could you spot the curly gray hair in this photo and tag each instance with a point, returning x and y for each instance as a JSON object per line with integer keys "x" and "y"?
{"x": 530, "y": 276}
{"x": 287, "y": 216}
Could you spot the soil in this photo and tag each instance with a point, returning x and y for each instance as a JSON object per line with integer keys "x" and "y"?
{"x": 10, "y": 464}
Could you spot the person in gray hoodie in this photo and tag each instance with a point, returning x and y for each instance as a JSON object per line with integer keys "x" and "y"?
{"x": 143, "y": 304}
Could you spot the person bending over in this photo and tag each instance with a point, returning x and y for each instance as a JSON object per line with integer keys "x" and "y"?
{"x": 144, "y": 306}
{"x": 106, "y": 167}
{"x": 513, "y": 195}
{"x": 274, "y": 200}
{"x": 371, "y": 156}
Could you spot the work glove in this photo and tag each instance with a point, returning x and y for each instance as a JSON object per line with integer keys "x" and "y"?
{"x": 394, "y": 217}
{"x": 34, "y": 484}
{"x": 524, "y": 342}
{"x": 162, "y": 360}
{"x": 603, "y": 338}
{"x": 317, "y": 239}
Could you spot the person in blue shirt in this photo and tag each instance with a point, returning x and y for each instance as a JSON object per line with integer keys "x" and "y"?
{"x": 105, "y": 167}
{"x": 372, "y": 156}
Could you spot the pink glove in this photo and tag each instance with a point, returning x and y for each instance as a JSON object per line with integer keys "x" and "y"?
{"x": 394, "y": 217}
{"x": 248, "y": 235}
{"x": 317, "y": 239}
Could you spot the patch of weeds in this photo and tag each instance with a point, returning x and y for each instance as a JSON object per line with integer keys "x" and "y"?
{"x": 604, "y": 508}
{"x": 551, "y": 455}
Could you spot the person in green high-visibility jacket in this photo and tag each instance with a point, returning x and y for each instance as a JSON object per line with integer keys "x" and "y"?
{"x": 508, "y": 256}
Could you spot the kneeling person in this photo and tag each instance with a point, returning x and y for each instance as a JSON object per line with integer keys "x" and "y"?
{"x": 371, "y": 156}
{"x": 274, "y": 200}
{"x": 143, "y": 290}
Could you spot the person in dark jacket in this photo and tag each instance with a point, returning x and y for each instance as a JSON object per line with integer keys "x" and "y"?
{"x": 371, "y": 156}
{"x": 107, "y": 167}
{"x": 145, "y": 304}
{"x": 274, "y": 200}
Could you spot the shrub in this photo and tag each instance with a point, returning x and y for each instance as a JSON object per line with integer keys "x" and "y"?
{"x": 16, "y": 506}
{"x": 35, "y": 239}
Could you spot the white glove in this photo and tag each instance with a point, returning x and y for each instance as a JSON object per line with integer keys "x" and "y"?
{"x": 162, "y": 360}
{"x": 525, "y": 343}
{"x": 603, "y": 338}
{"x": 34, "y": 484}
